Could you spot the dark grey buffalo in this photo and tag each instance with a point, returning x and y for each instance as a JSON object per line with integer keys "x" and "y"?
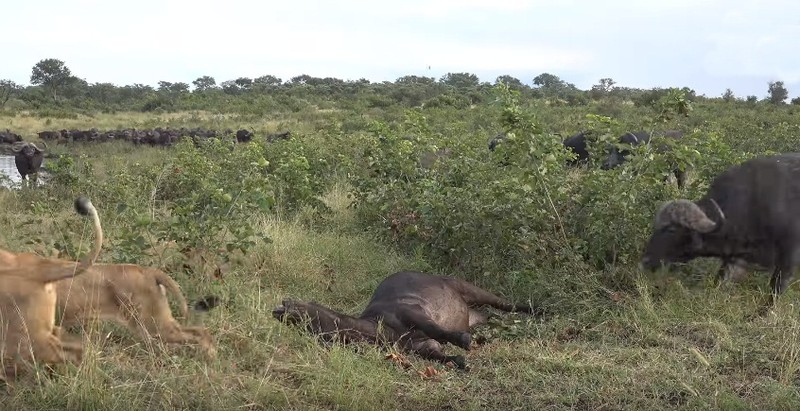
{"x": 418, "y": 311}
{"x": 617, "y": 156}
{"x": 748, "y": 216}
{"x": 28, "y": 159}
{"x": 497, "y": 139}
{"x": 8, "y": 137}
{"x": 243, "y": 136}
{"x": 577, "y": 144}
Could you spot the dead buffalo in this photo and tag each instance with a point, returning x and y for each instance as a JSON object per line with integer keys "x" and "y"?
{"x": 749, "y": 215}
{"x": 418, "y": 311}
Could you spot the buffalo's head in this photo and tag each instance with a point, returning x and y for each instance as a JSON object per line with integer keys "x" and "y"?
{"x": 319, "y": 319}
{"x": 27, "y": 149}
{"x": 678, "y": 234}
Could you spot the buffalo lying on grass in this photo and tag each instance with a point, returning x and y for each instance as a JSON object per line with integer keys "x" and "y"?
{"x": 8, "y": 137}
{"x": 418, "y": 311}
{"x": 749, "y": 215}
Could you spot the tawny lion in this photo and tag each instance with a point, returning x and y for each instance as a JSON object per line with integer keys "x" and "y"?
{"x": 28, "y": 302}
{"x": 133, "y": 296}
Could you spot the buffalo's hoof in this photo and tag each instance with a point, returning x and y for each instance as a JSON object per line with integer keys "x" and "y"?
{"x": 459, "y": 361}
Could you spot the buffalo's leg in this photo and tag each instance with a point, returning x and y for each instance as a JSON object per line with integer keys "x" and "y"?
{"x": 474, "y": 295}
{"x": 781, "y": 275}
{"x": 432, "y": 350}
{"x": 413, "y": 317}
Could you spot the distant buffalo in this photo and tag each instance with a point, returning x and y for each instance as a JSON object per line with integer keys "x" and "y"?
{"x": 497, "y": 139}
{"x": 617, "y": 157}
{"x": 243, "y": 136}
{"x": 7, "y": 137}
{"x": 273, "y": 137}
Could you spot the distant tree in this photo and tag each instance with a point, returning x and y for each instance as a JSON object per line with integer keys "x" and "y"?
{"x": 244, "y": 83}
{"x": 777, "y": 92}
{"x": 547, "y": 80}
{"x": 204, "y": 83}
{"x": 752, "y": 99}
{"x": 53, "y": 74}
{"x": 173, "y": 88}
{"x": 104, "y": 93}
{"x": 796, "y": 101}
{"x": 513, "y": 82}
{"x": 75, "y": 88}
{"x": 230, "y": 87}
{"x": 301, "y": 79}
{"x": 415, "y": 80}
{"x": 268, "y": 80}
{"x": 461, "y": 80}
{"x": 164, "y": 85}
{"x": 728, "y": 95}
{"x": 602, "y": 88}
{"x": 8, "y": 89}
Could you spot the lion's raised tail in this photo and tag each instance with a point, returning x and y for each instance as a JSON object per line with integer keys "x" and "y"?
{"x": 172, "y": 286}
{"x": 55, "y": 270}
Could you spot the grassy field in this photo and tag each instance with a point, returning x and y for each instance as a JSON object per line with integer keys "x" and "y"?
{"x": 663, "y": 342}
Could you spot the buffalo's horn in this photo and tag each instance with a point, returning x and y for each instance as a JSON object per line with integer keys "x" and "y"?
{"x": 685, "y": 213}
{"x": 719, "y": 210}
{"x": 17, "y": 146}
{"x": 44, "y": 145}
{"x": 34, "y": 147}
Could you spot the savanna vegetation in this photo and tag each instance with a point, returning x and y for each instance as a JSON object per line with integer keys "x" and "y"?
{"x": 327, "y": 214}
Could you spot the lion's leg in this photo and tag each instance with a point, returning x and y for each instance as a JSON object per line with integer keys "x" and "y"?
{"x": 49, "y": 349}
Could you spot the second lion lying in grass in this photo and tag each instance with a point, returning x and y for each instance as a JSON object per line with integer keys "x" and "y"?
{"x": 133, "y": 296}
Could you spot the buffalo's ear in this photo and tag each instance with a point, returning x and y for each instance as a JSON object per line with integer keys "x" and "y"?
{"x": 697, "y": 241}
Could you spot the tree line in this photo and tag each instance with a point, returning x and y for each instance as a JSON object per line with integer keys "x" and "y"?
{"x": 52, "y": 84}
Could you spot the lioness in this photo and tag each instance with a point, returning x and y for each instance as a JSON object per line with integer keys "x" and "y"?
{"x": 28, "y": 302}
{"x": 133, "y": 296}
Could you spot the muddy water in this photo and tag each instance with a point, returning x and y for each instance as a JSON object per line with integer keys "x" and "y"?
{"x": 8, "y": 171}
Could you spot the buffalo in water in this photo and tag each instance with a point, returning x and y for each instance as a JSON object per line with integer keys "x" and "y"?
{"x": 28, "y": 159}
{"x": 748, "y": 216}
{"x": 419, "y": 312}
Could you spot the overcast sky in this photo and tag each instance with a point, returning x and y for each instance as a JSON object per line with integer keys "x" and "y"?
{"x": 707, "y": 45}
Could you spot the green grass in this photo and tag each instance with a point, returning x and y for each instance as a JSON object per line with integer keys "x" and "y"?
{"x": 666, "y": 344}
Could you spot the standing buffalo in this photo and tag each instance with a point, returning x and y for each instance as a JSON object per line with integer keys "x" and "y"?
{"x": 418, "y": 311}
{"x": 616, "y": 156}
{"x": 577, "y": 144}
{"x": 749, "y": 215}
{"x": 497, "y": 139}
{"x": 28, "y": 159}
{"x": 243, "y": 136}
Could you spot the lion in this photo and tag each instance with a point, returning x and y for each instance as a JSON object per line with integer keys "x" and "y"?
{"x": 28, "y": 303}
{"x": 133, "y": 296}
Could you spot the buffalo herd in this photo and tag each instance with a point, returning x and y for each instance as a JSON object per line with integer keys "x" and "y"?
{"x": 159, "y": 136}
